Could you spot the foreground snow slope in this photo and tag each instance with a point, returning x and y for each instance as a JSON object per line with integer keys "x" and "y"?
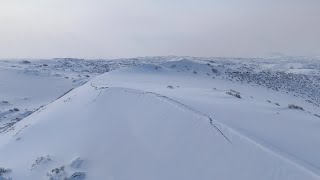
{"x": 158, "y": 122}
{"x": 261, "y": 114}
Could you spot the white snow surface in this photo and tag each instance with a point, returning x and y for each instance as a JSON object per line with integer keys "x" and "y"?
{"x": 169, "y": 119}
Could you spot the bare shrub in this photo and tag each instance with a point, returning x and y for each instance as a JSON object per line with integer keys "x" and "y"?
{"x": 234, "y": 93}
{"x": 4, "y": 171}
{"x": 292, "y": 106}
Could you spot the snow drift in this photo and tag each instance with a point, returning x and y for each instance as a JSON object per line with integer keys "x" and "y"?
{"x": 122, "y": 129}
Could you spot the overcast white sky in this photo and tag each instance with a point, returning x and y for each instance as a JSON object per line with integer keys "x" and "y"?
{"x": 128, "y": 28}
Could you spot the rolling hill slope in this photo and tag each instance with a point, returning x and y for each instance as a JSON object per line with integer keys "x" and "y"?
{"x": 164, "y": 122}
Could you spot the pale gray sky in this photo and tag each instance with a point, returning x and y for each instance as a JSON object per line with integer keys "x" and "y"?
{"x": 128, "y": 28}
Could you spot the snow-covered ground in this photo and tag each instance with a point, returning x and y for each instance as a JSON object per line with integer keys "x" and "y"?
{"x": 160, "y": 118}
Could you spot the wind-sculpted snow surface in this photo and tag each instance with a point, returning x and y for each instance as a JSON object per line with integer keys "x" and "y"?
{"x": 160, "y": 118}
{"x": 296, "y": 76}
{"x": 26, "y": 85}
{"x": 182, "y": 106}
{"x": 256, "y": 113}
{"x": 155, "y": 138}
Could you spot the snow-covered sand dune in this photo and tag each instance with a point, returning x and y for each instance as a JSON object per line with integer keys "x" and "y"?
{"x": 167, "y": 121}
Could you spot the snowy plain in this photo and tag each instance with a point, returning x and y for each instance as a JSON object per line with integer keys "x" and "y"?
{"x": 160, "y": 118}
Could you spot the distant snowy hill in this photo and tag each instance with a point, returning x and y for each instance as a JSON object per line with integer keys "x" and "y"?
{"x": 160, "y": 118}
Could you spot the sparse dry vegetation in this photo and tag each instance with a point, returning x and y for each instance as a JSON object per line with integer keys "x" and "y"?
{"x": 4, "y": 171}
{"x": 234, "y": 93}
{"x": 292, "y": 106}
